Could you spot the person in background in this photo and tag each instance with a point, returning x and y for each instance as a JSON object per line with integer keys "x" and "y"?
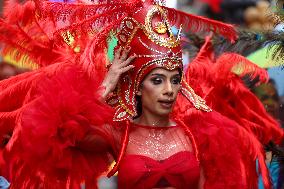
{"x": 268, "y": 95}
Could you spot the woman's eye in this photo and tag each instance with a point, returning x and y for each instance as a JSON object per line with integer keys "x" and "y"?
{"x": 156, "y": 81}
{"x": 176, "y": 81}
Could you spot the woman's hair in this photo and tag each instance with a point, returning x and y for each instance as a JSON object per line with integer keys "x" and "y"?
{"x": 138, "y": 106}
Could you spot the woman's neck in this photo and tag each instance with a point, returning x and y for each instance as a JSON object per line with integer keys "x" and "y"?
{"x": 152, "y": 120}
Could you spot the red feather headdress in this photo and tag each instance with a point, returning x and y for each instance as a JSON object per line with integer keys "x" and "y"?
{"x": 51, "y": 32}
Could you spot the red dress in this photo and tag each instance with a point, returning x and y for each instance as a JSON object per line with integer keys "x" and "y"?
{"x": 158, "y": 157}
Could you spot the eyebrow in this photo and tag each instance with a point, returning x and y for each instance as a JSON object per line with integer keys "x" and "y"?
{"x": 162, "y": 75}
{"x": 157, "y": 74}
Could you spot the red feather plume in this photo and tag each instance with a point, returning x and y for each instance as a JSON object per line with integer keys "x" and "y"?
{"x": 196, "y": 23}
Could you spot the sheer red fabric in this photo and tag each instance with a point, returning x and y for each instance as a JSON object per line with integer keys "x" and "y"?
{"x": 158, "y": 157}
{"x": 164, "y": 157}
{"x": 180, "y": 171}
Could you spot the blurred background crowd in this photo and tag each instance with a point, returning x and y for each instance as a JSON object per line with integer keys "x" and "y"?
{"x": 253, "y": 15}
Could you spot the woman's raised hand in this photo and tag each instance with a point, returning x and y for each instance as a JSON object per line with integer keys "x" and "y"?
{"x": 119, "y": 65}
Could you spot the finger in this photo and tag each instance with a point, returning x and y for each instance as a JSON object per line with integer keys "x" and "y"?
{"x": 125, "y": 53}
{"x": 128, "y": 61}
{"x": 117, "y": 54}
{"x": 127, "y": 68}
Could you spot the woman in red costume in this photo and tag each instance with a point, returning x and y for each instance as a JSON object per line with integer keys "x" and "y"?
{"x": 159, "y": 131}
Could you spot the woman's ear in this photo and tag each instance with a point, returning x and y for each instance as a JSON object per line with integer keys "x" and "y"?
{"x": 139, "y": 92}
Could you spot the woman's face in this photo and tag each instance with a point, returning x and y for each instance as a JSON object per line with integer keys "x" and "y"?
{"x": 159, "y": 90}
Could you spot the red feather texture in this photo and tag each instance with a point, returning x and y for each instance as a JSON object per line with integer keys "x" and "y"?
{"x": 90, "y": 28}
{"x": 15, "y": 11}
{"x": 228, "y": 152}
{"x": 236, "y": 100}
{"x": 21, "y": 85}
{"x": 85, "y": 21}
{"x": 198, "y": 23}
{"x": 13, "y": 96}
{"x": 28, "y": 46}
{"x": 46, "y": 32}
{"x": 198, "y": 68}
{"x": 62, "y": 110}
{"x": 25, "y": 38}
{"x": 27, "y": 88}
{"x": 11, "y": 104}
{"x": 225, "y": 92}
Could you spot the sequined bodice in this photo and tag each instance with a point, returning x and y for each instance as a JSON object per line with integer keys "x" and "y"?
{"x": 157, "y": 142}
{"x": 158, "y": 157}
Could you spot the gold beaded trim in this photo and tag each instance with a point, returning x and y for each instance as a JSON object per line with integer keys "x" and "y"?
{"x": 152, "y": 33}
{"x": 155, "y": 50}
{"x": 169, "y": 42}
{"x": 120, "y": 115}
{"x": 196, "y": 100}
{"x": 170, "y": 63}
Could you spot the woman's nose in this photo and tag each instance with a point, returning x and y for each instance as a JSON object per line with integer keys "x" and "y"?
{"x": 168, "y": 88}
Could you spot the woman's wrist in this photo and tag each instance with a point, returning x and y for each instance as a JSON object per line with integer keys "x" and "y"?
{"x": 102, "y": 92}
{"x": 105, "y": 90}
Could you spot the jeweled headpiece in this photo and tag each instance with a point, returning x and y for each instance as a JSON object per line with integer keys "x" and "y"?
{"x": 151, "y": 37}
